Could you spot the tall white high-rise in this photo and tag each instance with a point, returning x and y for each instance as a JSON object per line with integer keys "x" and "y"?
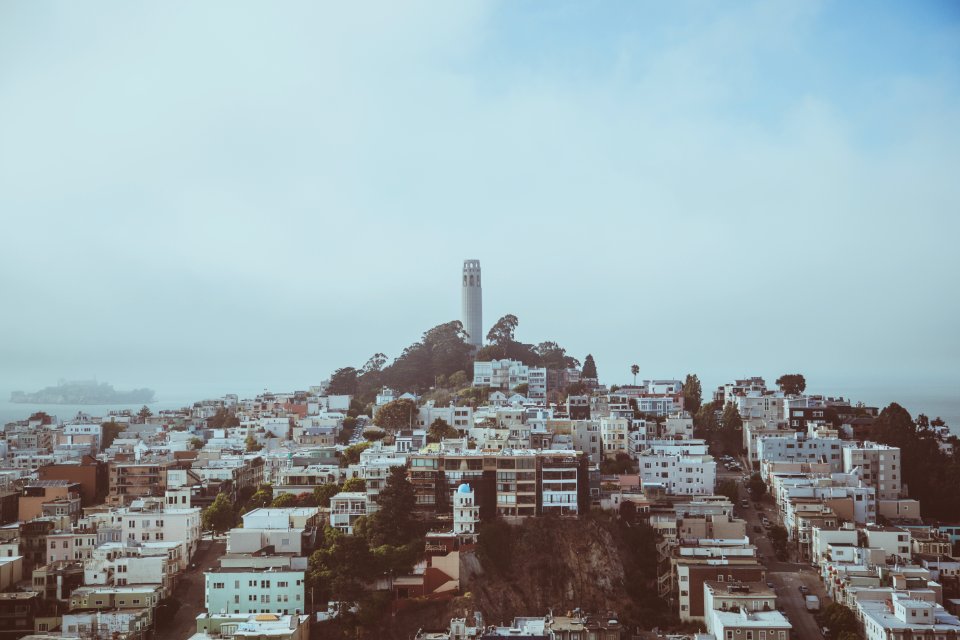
{"x": 472, "y": 307}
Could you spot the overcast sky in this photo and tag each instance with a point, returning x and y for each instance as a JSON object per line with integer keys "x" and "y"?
{"x": 212, "y": 196}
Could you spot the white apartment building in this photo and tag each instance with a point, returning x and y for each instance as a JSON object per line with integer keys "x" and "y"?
{"x": 692, "y": 447}
{"x": 460, "y": 418}
{"x": 768, "y": 407}
{"x": 282, "y": 518}
{"x": 678, "y": 473}
{"x": 800, "y": 448}
{"x": 613, "y": 436}
{"x": 69, "y": 546}
{"x": 679, "y": 425}
{"x": 150, "y": 521}
{"x": 508, "y": 374}
{"x": 879, "y": 467}
{"x": 239, "y": 590}
{"x": 894, "y": 541}
{"x": 346, "y": 508}
{"x": 903, "y": 617}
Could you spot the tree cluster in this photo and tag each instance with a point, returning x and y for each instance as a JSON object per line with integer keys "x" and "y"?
{"x": 792, "y": 383}
{"x": 387, "y": 542}
{"x": 840, "y": 620}
{"x": 722, "y": 431}
{"x": 111, "y": 430}
{"x": 440, "y": 429}
{"x": 397, "y": 414}
{"x": 442, "y": 351}
{"x": 503, "y": 345}
{"x": 926, "y": 469}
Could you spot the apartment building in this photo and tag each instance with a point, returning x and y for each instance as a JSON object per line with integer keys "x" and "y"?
{"x": 514, "y": 483}
{"x": 247, "y": 590}
{"x": 346, "y": 508}
{"x": 798, "y": 447}
{"x": 506, "y": 375}
{"x": 678, "y": 473}
{"x": 905, "y": 617}
{"x": 130, "y": 480}
{"x": 879, "y": 467}
{"x": 613, "y": 436}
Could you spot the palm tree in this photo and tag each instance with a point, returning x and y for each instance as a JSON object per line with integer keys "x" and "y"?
{"x": 635, "y": 369}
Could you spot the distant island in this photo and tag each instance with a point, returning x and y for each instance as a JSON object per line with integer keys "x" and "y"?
{"x": 83, "y": 392}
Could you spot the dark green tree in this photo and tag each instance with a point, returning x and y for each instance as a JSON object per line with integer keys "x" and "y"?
{"x": 792, "y": 383}
{"x": 283, "y": 501}
{"x": 262, "y": 497}
{"x": 440, "y": 429}
{"x": 354, "y": 484}
{"x": 728, "y": 488}
{"x": 111, "y": 430}
{"x": 634, "y": 369}
{"x": 756, "y": 486}
{"x": 394, "y": 523}
{"x": 589, "y": 367}
{"x": 553, "y": 356}
{"x": 343, "y": 382}
{"x": 219, "y": 516}
{"x": 251, "y": 444}
{"x": 398, "y": 414}
{"x": 144, "y": 412}
{"x": 502, "y": 333}
{"x": 692, "y": 394}
{"x": 351, "y": 455}
{"x": 324, "y": 492}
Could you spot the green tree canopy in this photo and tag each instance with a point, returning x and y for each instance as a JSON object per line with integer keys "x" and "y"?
{"x": 692, "y": 394}
{"x": 756, "y": 486}
{"x": 440, "y": 429}
{"x": 394, "y": 523}
{"x": 354, "y": 484}
{"x": 219, "y": 516}
{"x": 792, "y": 383}
{"x": 324, "y": 492}
{"x": 351, "y": 455}
{"x": 398, "y": 414}
{"x": 251, "y": 444}
{"x": 553, "y": 356}
{"x": 283, "y": 501}
{"x": 145, "y": 412}
{"x": 589, "y": 367}
{"x": 111, "y": 430}
{"x": 634, "y": 369}
{"x": 343, "y": 382}
{"x": 262, "y": 497}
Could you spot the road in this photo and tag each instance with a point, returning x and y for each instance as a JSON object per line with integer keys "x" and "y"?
{"x": 786, "y": 577}
{"x": 189, "y": 591}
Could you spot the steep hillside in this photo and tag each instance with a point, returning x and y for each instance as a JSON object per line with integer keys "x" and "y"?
{"x": 595, "y": 563}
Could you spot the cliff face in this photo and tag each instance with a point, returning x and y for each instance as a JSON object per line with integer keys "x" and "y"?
{"x": 555, "y": 564}
{"x": 596, "y": 564}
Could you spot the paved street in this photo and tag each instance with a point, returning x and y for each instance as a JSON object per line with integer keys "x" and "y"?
{"x": 785, "y": 576}
{"x": 190, "y": 591}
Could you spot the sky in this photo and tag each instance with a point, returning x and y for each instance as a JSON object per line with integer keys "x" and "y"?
{"x": 232, "y": 196}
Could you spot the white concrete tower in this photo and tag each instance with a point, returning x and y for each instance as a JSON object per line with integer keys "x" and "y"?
{"x": 472, "y": 308}
{"x": 466, "y": 514}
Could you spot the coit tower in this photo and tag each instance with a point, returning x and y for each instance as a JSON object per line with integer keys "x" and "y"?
{"x": 472, "y": 309}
